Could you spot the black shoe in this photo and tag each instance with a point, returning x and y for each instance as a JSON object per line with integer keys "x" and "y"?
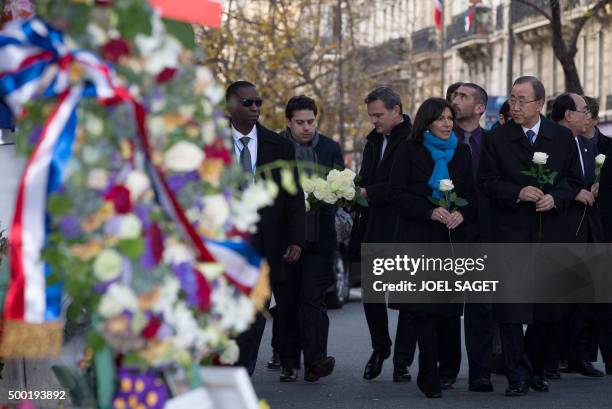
{"x": 320, "y": 369}
{"x": 288, "y": 375}
{"x": 587, "y": 369}
{"x": 401, "y": 374}
{"x": 431, "y": 391}
{"x": 481, "y": 385}
{"x": 447, "y": 383}
{"x": 274, "y": 362}
{"x": 520, "y": 389}
{"x": 538, "y": 384}
{"x": 552, "y": 375}
{"x": 374, "y": 365}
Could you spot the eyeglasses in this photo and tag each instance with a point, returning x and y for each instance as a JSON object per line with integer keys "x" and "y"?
{"x": 245, "y": 102}
{"x": 520, "y": 102}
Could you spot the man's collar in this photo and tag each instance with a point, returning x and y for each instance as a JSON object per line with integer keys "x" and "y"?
{"x": 535, "y": 128}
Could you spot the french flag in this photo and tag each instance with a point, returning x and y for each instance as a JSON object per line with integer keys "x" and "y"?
{"x": 438, "y": 13}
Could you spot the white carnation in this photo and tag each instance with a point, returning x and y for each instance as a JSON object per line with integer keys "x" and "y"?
{"x": 130, "y": 227}
{"x": 183, "y": 156}
{"x": 107, "y": 265}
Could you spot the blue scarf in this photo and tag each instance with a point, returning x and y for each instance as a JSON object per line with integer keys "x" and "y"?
{"x": 442, "y": 152}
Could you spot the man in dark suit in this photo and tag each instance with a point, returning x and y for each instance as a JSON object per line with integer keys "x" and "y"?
{"x": 280, "y": 232}
{"x": 584, "y": 226}
{"x": 517, "y": 206}
{"x": 391, "y": 127}
{"x": 470, "y": 102}
{"x": 313, "y": 274}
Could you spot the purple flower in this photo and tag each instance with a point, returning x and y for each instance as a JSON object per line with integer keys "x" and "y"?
{"x": 35, "y": 135}
{"x": 186, "y": 276}
{"x": 147, "y": 260}
{"x": 140, "y": 389}
{"x": 70, "y": 227}
{"x": 112, "y": 226}
{"x": 143, "y": 213}
{"x": 177, "y": 182}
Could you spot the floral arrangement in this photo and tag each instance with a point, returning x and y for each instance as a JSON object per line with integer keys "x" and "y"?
{"x": 340, "y": 188}
{"x": 153, "y": 296}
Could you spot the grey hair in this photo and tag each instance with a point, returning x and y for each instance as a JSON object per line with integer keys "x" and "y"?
{"x": 538, "y": 88}
{"x": 388, "y": 96}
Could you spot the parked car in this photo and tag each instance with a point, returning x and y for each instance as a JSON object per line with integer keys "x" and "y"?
{"x": 338, "y": 292}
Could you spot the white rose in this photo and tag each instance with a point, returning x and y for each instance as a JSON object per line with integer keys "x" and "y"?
{"x": 348, "y": 175}
{"x": 446, "y": 185}
{"x": 257, "y": 195}
{"x": 94, "y": 125}
{"x": 176, "y": 253}
{"x": 130, "y": 227}
{"x": 107, "y": 265}
{"x": 117, "y": 299}
{"x": 600, "y": 159}
{"x": 216, "y": 211}
{"x": 540, "y": 158}
{"x": 97, "y": 179}
{"x": 330, "y": 198}
{"x": 307, "y": 185}
{"x": 230, "y": 354}
{"x": 137, "y": 183}
{"x": 183, "y": 156}
{"x": 321, "y": 189}
{"x": 349, "y": 194}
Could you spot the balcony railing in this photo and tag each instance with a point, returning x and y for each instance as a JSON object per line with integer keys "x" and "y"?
{"x": 424, "y": 40}
{"x": 459, "y": 29}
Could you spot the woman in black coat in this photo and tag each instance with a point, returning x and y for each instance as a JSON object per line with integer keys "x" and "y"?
{"x": 414, "y": 177}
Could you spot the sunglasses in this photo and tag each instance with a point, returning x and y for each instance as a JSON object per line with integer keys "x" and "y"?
{"x": 248, "y": 102}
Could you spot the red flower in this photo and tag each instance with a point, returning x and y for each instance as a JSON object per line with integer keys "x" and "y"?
{"x": 115, "y": 49}
{"x": 151, "y": 329}
{"x": 156, "y": 241}
{"x": 166, "y": 75}
{"x": 217, "y": 150}
{"x": 120, "y": 196}
{"x": 104, "y": 3}
{"x": 203, "y": 291}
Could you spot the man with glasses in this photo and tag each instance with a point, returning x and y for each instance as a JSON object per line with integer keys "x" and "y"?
{"x": 570, "y": 110}
{"x": 517, "y": 205}
{"x": 280, "y": 232}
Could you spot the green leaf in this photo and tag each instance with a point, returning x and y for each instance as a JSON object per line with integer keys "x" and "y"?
{"x": 528, "y": 173}
{"x": 95, "y": 341}
{"x": 461, "y": 202}
{"x": 133, "y": 248}
{"x": 134, "y": 19}
{"x": 361, "y": 201}
{"x": 59, "y": 205}
{"x": 182, "y": 31}
{"x": 105, "y": 376}
{"x": 453, "y": 196}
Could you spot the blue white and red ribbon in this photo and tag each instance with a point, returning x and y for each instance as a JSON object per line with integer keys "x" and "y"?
{"x": 35, "y": 63}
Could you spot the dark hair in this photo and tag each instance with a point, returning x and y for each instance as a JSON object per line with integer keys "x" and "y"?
{"x": 234, "y": 87}
{"x": 480, "y": 96}
{"x": 428, "y": 112}
{"x": 299, "y": 103}
{"x": 505, "y": 110}
{"x": 388, "y": 96}
{"x": 451, "y": 89}
{"x": 592, "y": 106}
{"x": 562, "y": 103}
{"x": 538, "y": 88}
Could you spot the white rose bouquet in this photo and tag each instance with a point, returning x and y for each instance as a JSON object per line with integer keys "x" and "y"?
{"x": 340, "y": 188}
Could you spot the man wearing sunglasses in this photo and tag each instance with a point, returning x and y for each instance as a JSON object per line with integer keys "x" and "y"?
{"x": 280, "y": 232}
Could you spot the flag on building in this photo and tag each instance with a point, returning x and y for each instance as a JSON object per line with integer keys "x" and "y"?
{"x": 469, "y": 19}
{"x": 438, "y": 13}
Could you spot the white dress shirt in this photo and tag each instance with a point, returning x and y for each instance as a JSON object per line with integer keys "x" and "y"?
{"x": 252, "y": 145}
{"x": 535, "y": 129}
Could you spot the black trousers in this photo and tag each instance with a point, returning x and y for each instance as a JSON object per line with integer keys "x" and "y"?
{"x": 605, "y": 333}
{"x": 515, "y": 361}
{"x": 479, "y": 333}
{"x": 274, "y": 341}
{"x": 583, "y": 332}
{"x": 449, "y": 346}
{"x": 405, "y": 337}
{"x": 425, "y": 325}
{"x": 543, "y": 345}
{"x": 287, "y": 340}
{"x": 316, "y": 276}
